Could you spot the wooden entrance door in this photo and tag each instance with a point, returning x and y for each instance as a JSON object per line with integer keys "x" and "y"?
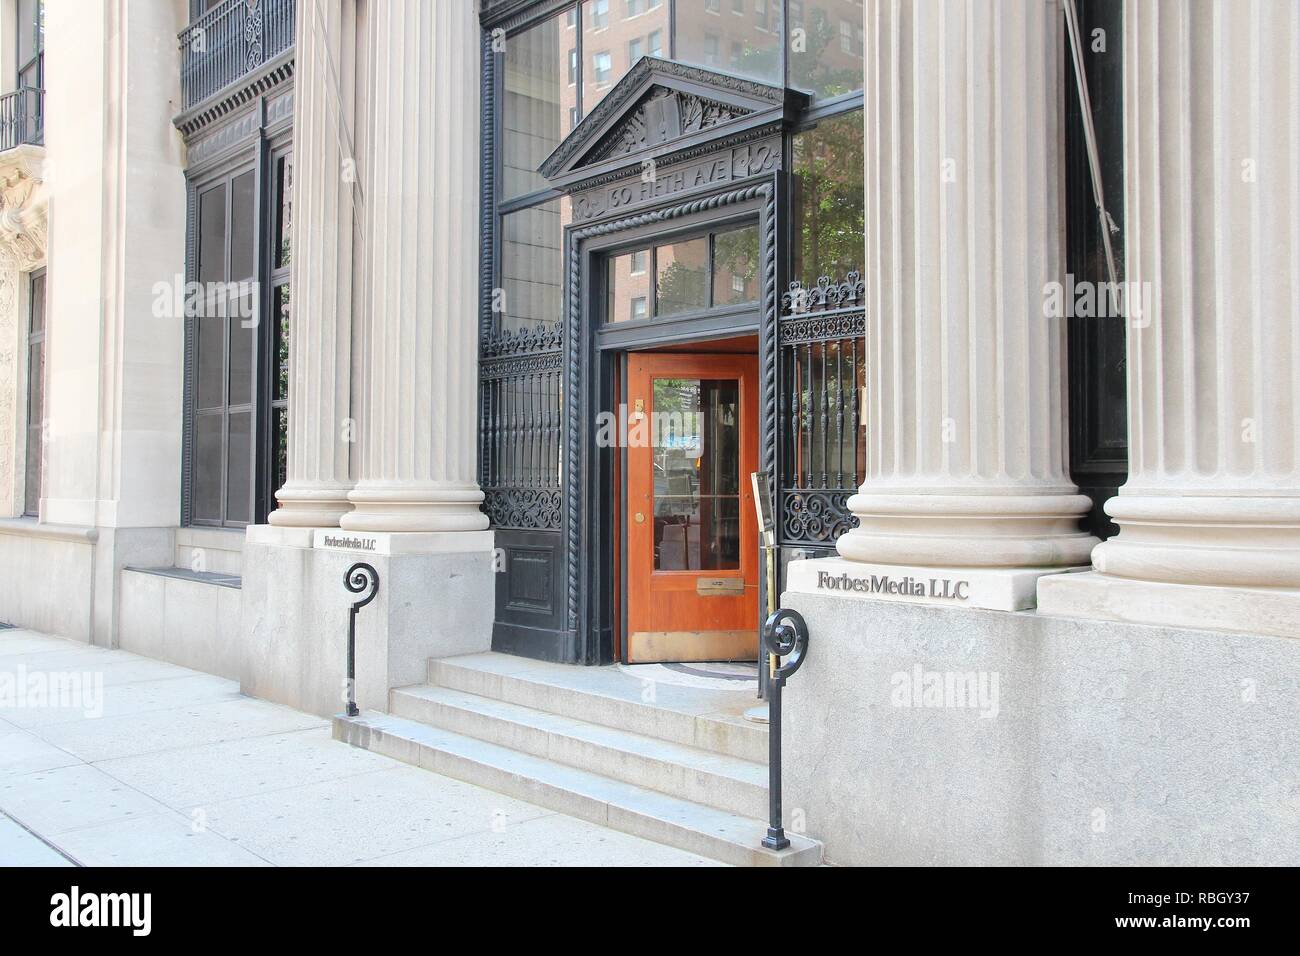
{"x": 692, "y": 542}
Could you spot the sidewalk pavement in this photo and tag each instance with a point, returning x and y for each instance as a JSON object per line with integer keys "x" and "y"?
{"x": 111, "y": 759}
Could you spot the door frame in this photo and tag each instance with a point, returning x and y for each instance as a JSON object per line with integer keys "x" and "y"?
{"x": 598, "y": 370}
{"x": 588, "y": 592}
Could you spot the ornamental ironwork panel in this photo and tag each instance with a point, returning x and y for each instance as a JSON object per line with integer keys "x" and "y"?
{"x": 821, "y": 337}
{"x": 519, "y": 429}
{"x": 229, "y": 41}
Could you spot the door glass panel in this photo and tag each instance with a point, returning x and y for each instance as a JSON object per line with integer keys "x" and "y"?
{"x": 696, "y": 462}
{"x": 628, "y": 285}
{"x": 682, "y": 276}
{"x": 735, "y": 266}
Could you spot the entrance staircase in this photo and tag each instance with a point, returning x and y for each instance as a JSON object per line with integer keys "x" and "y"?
{"x": 669, "y": 762}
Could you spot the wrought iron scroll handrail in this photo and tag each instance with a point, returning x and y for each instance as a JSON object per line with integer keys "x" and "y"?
{"x": 785, "y": 635}
{"x": 359, "y": 578}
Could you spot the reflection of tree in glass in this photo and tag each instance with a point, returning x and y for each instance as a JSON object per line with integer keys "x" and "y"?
{"x": 814, "y": 69}
{"x": 736, "y": 254}
{"x": 828, "y": 201}
{"x": 681, "y": 287}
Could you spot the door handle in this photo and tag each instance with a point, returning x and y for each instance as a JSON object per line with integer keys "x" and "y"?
{"x": 639, "y": 518}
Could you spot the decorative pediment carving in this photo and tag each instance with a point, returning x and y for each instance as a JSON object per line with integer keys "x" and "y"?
{"x": 660, "y": 105}
{"x": 662, "y": 116}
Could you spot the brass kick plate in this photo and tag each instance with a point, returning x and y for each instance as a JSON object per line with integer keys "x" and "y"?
{"x": 719, "y": 587}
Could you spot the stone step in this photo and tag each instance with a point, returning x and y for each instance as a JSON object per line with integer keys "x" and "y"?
{"x": 622, "y": 806}
{"x": 707, "y": 719}
{"x": 717, "y": 780}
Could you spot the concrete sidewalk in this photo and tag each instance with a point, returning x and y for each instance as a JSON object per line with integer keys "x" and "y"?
{"x": 110, "y": 759}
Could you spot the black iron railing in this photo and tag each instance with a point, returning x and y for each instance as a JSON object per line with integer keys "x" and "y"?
{"x": 823, "y": 366}
{"x": 22, "y": 117}
{"x": 230, "y": 41}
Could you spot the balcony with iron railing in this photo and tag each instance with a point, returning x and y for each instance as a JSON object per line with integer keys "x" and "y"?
{"x": 230, "y": 41}
{"x": 22, "y": 118}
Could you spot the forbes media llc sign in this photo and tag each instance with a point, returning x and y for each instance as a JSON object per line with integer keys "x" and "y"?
{"x": 934, "y": 589}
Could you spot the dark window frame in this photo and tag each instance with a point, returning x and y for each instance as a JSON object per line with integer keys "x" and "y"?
{"x": 36, "y": 61}
{"x": 260, "y": 156}
{"x": 35, "y": 431}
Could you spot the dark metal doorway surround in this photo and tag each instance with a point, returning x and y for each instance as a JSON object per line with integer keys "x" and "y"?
{"x": 719, "y": 158}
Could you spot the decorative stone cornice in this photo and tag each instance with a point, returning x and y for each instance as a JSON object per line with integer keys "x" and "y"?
{"x": 265, "y": 78}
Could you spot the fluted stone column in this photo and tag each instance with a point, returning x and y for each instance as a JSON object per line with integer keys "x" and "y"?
{"x": 965, "y": 407}
{"x": 325, "y": 201}
{"x": 1210, "y": 516}
{"x": 418, "y": 431}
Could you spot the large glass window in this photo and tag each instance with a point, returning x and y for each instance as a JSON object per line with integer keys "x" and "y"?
{"x": 826, "y": 46}
{"x": 540, "y": 101}
{"x": 685, "y": 275}
{"x": 35, "y": 448}
{"x": 555, "y": 71}
{"x": 532, "y": 265}
{"x": 828, "y": 198}
{"x": 616, "y": 38}
{"x": 750, "y": 37}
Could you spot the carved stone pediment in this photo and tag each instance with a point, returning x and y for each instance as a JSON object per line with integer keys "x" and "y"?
{"x": 660, "y": 107}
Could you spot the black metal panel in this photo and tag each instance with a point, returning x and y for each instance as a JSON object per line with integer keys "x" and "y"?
{"x": 1097, "y": 361}
{"x": 530, "y": 596}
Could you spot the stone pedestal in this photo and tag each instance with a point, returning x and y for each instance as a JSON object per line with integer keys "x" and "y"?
{"x": 434, "y": 600}
{"x": 933, "y": 736}
{"x": 1210, "y": 516}
{"x": 965, "y": 404}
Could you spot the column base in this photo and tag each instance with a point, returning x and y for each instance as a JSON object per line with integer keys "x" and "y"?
{"x": 968, "y": 531}
{"x": 1270, "y": 611}
{"x": 1205, "y": 540}
{"x": 415, "y": 506}
{"x": 303, "y": 505}
{"x": 997, "y": 589}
